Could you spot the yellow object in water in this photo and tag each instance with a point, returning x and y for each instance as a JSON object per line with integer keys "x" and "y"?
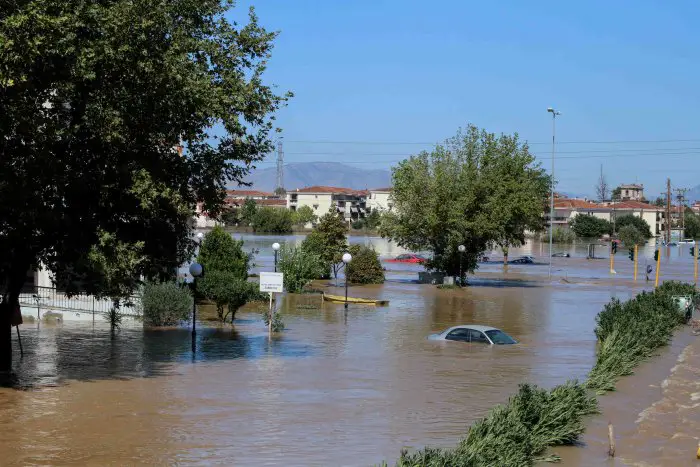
{"x": 698, "y": 453}
{"x": 361, "y": 301}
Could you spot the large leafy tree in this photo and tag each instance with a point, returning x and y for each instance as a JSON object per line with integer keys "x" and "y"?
{"x": 692, "y": 224}
{"x": 329, "y": 240}
{"x": 95, "y": 96}
{"x": 588, "y": 226}
{"x": 476, "y": 190}
{"x": 635, "y": 221}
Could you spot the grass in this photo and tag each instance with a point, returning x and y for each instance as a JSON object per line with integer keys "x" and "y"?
{"x": 520, "y": 432}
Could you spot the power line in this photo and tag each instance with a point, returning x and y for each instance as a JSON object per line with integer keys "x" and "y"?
{"x": 560, "y": 152}
{"x": 529, "y": 143}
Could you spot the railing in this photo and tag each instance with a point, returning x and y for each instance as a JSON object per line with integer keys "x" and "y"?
{"x": 48, "y": 298}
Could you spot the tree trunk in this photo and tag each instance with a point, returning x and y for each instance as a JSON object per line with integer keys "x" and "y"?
{"x": 15, "y": 282}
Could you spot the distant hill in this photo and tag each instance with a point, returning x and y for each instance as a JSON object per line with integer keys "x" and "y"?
{"x": 694, "y": 194}
{"x": 299, "y": 175}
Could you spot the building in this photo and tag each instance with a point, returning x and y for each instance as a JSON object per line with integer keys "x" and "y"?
{"x": 695, "y": 207}
{"x": 351, "y": 204}
{"x": 631, "y": 192}
{"x": 202, "y": 220}
{"x": 236, "y": 198}
{"x": 379, "y": 199}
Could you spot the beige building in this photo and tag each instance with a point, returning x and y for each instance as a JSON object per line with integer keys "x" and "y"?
{"x": 351, "y": 204}
{"x": 379, "y": 199}
{"x": 632, "y": 192}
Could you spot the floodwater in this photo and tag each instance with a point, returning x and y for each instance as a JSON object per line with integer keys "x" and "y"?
{"x": 343, "y": 388}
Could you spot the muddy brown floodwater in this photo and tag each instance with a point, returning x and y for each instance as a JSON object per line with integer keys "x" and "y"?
{"x": 335, "y": 388}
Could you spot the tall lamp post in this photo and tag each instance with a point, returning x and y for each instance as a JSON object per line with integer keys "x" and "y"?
{"x": 461, "y": 249}
{"x": 551, "y": 195}
{"x": 347, "y": 257}
{"x": 196, "y": 271}
{"x": 276, "y": 247}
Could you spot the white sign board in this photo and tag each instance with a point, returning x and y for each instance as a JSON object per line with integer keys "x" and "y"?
{"x": 271, "y": 282}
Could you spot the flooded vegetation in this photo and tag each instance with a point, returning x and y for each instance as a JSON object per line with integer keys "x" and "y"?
{"x": 336, "y": 387}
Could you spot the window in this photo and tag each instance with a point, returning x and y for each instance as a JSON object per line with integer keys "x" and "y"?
{"x": 462, "y": 335}
{"x": 477, "y": 336}
{"x": 500, "y": 337}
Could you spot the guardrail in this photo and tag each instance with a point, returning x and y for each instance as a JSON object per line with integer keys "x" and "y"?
{"x": 49, "y": 299}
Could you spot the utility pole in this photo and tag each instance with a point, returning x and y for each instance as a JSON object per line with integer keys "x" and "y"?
{"x": 668, "y": 211}
{"x": 280, "y": 166}
{"x": 681, "y": 205}
{"x": 551, "y": 194}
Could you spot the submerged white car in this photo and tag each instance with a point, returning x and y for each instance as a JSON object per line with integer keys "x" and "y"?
{"x": 474, "y": 333}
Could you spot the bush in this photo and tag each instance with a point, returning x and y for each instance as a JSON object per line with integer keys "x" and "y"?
{"x": 226, "y": 290}
{"x": 365, "y": 267}
{"x": 272, "y": 220}
{"x": 632, "y": 331}
{"x": 220, "y": 252}
{"x": 300, "y": 267}
{"x": 165, "y": 304}
{"x": 358, "y": 224}
{"x": 516, "y": 433}
{"x": 630, "y": 236}
{"x": 586, "y": 226}
{"x": 561, "y": 235}
{"x": 303, "y": 216}
{"x": 636, "y": 222}
{"x": 277, "y": 322}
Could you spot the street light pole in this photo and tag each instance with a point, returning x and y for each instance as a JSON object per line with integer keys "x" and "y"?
{"x": 196, "y": 271}
{"x": 347, "y": 257}
{"x": 461, "y": 249}
{"x": 551, "y": 194}
{"x": 276, "y": 247}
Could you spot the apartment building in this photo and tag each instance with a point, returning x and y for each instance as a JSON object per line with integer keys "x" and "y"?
{"x": 236, "y": 198}
{"x": 379, "y": 199}
{"x": 351, "y": 204}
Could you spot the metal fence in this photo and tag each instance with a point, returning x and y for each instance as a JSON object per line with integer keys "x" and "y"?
{"x": 49, "y": 298}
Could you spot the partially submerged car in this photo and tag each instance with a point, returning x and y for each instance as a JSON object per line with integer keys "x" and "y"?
{"x": 561, "y": 255}
{"x": 523, "y": 260}
{"x": 408, "y": 258}
{"x": 474, "y": 333}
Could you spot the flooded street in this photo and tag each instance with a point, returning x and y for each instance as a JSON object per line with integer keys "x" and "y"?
{"x": 335, "y": 388}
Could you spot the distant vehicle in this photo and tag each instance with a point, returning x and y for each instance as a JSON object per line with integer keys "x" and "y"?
{"x": 561, "y": 255}
{"x": 687, "y": 241}
{"x": 474, "y": 333}
{"x": 408, "y": 258}
{"x": 523, "y": 260}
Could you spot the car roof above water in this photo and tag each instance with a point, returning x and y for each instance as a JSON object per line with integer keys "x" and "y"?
{"x": 476, "y": 327}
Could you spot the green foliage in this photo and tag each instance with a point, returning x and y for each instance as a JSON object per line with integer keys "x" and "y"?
{"x": 277, "y": 322}
{"x": 304, "y": 215}
{"x": 476, "y": 190}
{"x": 95, "y": 96}
{"x": 231, "y": 216}
{"x": 272, "y": 220}
{"x": 660, "y": 202}
{"x": 359, "y": 224}
{"x": 373, "y": 219}
{"x": 630, "y": 236}
{"x": 517, "y": 433}
{"x": 114, "y": 317}
{"x": 221, "y": 252}
{"x": 165, "y": 304}
{"x": 692, "y": 225}
{"x": 227, "y": 290}
{"x": 616, "y": 193}
{"x": 279, "y": 191}
{"x": 365, "y": 267}
{"x": 636, "y": 222}
{"x": 630, "y": 332}
{"x": 328, "y": 240}
{"x": 587, "y": 226}
{"x": 248, "y": 211}
{"x": 561, "y": 235}
{"x": 300, "y": 267}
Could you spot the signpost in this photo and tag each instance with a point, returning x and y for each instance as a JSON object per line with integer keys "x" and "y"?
{"x": 271, "y": 282}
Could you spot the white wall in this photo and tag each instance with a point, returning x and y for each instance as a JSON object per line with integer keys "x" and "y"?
{"x": 379, "y": 200}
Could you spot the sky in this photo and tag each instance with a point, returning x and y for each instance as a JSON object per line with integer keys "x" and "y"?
{"x": 376, "y": 81}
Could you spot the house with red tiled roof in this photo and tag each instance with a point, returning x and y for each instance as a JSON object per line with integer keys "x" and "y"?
{"x": 350, "y": 203}
{"x": 380, "y": 199}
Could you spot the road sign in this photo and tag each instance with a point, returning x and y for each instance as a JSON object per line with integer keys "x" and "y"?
{"x": 271, "y": 282}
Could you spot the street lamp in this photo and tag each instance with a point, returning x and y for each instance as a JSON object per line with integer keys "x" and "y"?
{"x": 196, "y": 270}
{"x": 347, "y": 257}
{"x": 461, "y": 249}
{"x": 551, "y": 195}
{"x": 276, "y": 247}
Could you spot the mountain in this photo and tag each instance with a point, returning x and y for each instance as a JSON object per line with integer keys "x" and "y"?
{"x": 299, "y": 175}
{"x": 693, "y": 194}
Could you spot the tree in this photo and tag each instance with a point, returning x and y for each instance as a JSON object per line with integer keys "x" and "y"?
{"x": 635, "y": 221}
{"x": 300, "y": 267}
{"x": 692, "y": 224}
{"x": 227, "y": 290}
{"x": 304, "y": 215}
{"x": 631, "y": 236}
{"x": 281, "y": 192}
{"x": 221, "y": 252}
{"x": 365, "y": 267}
{"x": 95, "y": 96}
{"x": 328, "y": 240}
{"x": 475, "y": 190}
{"x": 373, "y": 219}
{"x": 660, "y": 202}
{"x": 602, "y": 189}
{"x": 248, "y": 211}
{"x": 272, "y": 220}
{"x": 231, "y": 216}
{"x": 587, "y": 226}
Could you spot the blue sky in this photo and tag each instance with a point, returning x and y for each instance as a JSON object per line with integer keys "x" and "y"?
{"x": 368, "y": 73}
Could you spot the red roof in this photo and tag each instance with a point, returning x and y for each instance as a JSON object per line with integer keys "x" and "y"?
{"x": 244, "y": 193}
{"x": 634, "y": 205}
{"x": 389, "y": 189}
{"x": 330, "y": 190}
{"x": 566, "y": 203}
{"x": 258, "y": 202}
